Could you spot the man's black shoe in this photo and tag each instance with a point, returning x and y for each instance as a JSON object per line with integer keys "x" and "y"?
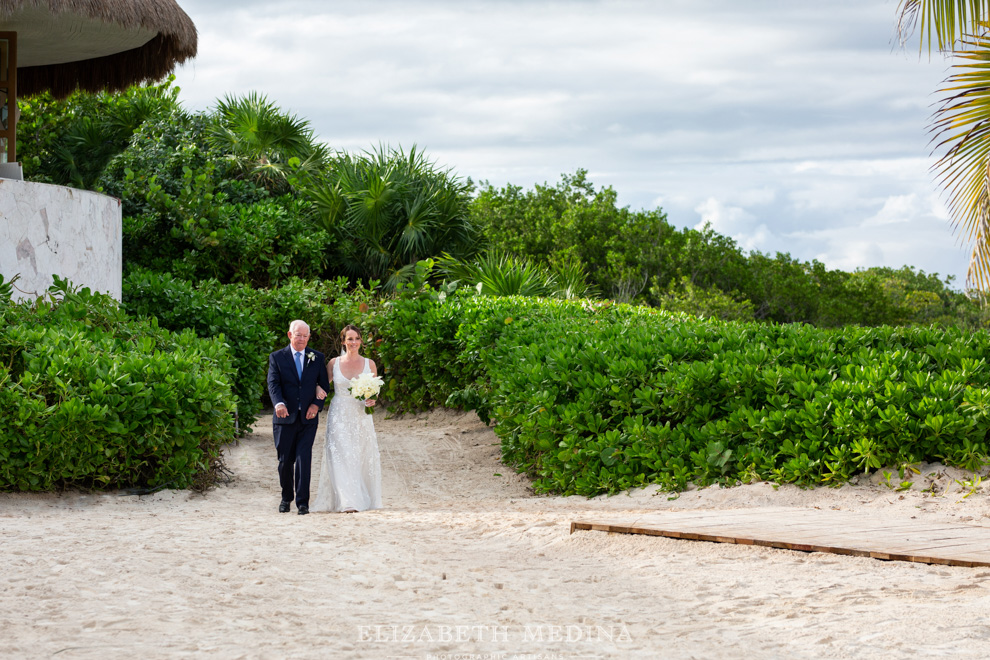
{"x": 283, "y": 507}
{"x": 303, "y": 510}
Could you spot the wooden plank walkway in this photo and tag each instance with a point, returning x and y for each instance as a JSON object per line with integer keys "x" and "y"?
{"x": 816, "y": 530}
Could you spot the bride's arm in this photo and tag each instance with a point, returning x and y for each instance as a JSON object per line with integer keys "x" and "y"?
{"x": 374, "y": 372}
{"x": 320, "y": 392}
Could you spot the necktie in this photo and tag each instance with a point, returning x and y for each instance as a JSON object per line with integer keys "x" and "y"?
{"x": 299, "y": 365}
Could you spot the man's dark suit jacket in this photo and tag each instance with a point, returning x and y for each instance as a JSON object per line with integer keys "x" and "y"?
{"x": 285, "y": 386}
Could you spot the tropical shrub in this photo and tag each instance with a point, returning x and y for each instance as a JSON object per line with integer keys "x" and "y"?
{"x": 178, "y": 305}
{"x": 387, "y": 210}
{"x": 251, "y": 322}
{"x": 262, "y": 143}
{"x": 94, "y": 399}
{"x": 494, "y": 274}
{"x": 327, "y": 306}
{"x": 198, "y": 235}
{"x": 595, "y": 397}
{"x": 686, "y": 298}
{"x": 169, "y": 151}
{"x": 639, "y": 256}
{"x": 70, "y": 142}
{"x": 419, "y": 352}
{"x": 572, "y": 223}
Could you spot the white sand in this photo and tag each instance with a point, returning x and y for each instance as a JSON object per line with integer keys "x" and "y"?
{"x": 462, "y": 561}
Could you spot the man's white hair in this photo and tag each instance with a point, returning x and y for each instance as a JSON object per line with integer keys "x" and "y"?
{"x": 297, "y": 323}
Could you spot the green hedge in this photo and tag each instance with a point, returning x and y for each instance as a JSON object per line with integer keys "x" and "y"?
{"x": 252, "y": 322}
{"x": 92, "y": 398}
{"x": 209, "y": 311}
{"x": 594, "y": 397}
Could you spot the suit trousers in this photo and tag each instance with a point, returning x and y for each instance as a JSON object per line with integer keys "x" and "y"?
{"x": 294, "y": 445}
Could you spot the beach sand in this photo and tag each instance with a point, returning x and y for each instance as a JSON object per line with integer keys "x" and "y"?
{"x": 464, "y": 561}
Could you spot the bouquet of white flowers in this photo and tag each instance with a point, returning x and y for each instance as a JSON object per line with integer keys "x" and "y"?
{"x": 366, "y": 386}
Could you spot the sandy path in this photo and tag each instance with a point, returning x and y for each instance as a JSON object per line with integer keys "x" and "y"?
{"x": 460, "y": 561}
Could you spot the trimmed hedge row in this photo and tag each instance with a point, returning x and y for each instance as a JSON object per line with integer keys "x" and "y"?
{"x": 252, "y": 322}
{"x": 596, "y": 398}
{"x": 586, "y": 397}
{"x": 92, "y": 398}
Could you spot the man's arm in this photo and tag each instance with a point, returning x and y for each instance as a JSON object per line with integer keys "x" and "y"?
{"x": 275, "y": 388}
{"x": 323, "y": 380}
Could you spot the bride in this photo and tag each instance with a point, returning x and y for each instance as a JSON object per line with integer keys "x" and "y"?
{"x": 351, "y": 476}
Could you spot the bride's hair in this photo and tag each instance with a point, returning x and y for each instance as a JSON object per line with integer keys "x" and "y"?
{"x": 343, "y": 334}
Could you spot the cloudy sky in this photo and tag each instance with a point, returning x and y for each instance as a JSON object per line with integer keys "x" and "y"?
{"x": 798, "y": 127}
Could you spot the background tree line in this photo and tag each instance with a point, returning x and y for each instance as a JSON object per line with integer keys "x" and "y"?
{"x": 245, "y": 194}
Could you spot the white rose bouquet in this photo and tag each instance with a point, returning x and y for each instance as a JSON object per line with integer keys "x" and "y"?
{"x": 366, "y": 386}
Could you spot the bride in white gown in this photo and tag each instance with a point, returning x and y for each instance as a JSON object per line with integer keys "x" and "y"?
{"x": 351, "y": 473}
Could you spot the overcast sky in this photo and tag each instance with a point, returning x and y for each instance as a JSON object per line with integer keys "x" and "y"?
{"x": 791, "y": 126}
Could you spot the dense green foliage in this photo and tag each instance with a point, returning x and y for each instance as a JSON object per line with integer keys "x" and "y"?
{"x": 388, "y": 210}
{"x": 199, "y": 213}
{"x": 587, "y": 397}
{"x": 573, "y": 223}
{"x": 495, "y": 274}
{"x": 71, "y": 142}
{"x": 262, "y": 143}
{"x": 243, "y": 194}
{"x": 204, "y": 310}
{"x": 594, "y": 397}
{"x": 252, "y": 322}
{"x": 638, "y": 256}
{"x": 93, "y": 398}
{"x": 235, "y": 223}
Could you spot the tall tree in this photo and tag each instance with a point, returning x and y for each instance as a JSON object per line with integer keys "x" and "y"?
{"x": 574, "y": 226}
{"x": 961, "y": 124}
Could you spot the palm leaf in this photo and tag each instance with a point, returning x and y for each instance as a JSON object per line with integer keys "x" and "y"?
{"x": 962, "y": 123}
{"x": 260, "y": 139}
{"x": 962, "y": 130}
{"x": 947, "y": 21}
{"x": 391, "y": 209}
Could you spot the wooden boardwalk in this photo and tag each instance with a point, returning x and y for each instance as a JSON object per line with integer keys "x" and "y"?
{"x": 816, "y": 530}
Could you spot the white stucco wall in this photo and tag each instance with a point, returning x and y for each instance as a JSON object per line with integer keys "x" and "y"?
{"x": 47, "y": 229}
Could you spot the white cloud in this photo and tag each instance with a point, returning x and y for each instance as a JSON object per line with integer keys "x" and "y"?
{"x": 899, "y": 209}
{"x": 904, "y": 231}
{"x": 757, "y": 196}
{"x": 735, "y": 222}
{"x": 777, "y": 121}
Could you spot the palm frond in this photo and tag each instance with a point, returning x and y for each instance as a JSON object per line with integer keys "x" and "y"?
{"x": 945, "y": 21}
{"x": 391, "y": 209}
{"x": 260, "y": 139}
{"x": 572, "y": 281}
{"x": 962, "y": 131}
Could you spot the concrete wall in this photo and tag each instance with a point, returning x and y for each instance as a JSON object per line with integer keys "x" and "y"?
{"x": 47, "y": 229}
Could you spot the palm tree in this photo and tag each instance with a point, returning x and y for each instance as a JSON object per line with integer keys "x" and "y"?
{"x": 263, "y": 143}
{"x": 389, "y": 210}
{"x": 961, "y": 124}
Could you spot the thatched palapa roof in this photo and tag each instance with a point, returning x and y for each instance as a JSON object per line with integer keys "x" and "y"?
{"x": 95, "y": 45}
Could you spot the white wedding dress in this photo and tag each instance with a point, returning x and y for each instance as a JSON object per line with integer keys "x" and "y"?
{"x": 351, "y": 472}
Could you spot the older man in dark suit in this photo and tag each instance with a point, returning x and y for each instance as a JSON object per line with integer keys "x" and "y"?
{"x": 293, "y": 374}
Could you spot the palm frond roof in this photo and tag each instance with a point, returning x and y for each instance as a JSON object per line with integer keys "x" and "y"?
{"x": 64, "y": 45}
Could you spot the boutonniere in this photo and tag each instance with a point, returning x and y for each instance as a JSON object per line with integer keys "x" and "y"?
{"x": 310, "y": 356}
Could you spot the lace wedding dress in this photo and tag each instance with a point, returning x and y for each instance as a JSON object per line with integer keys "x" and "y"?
{"x": 351, "y": 476}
